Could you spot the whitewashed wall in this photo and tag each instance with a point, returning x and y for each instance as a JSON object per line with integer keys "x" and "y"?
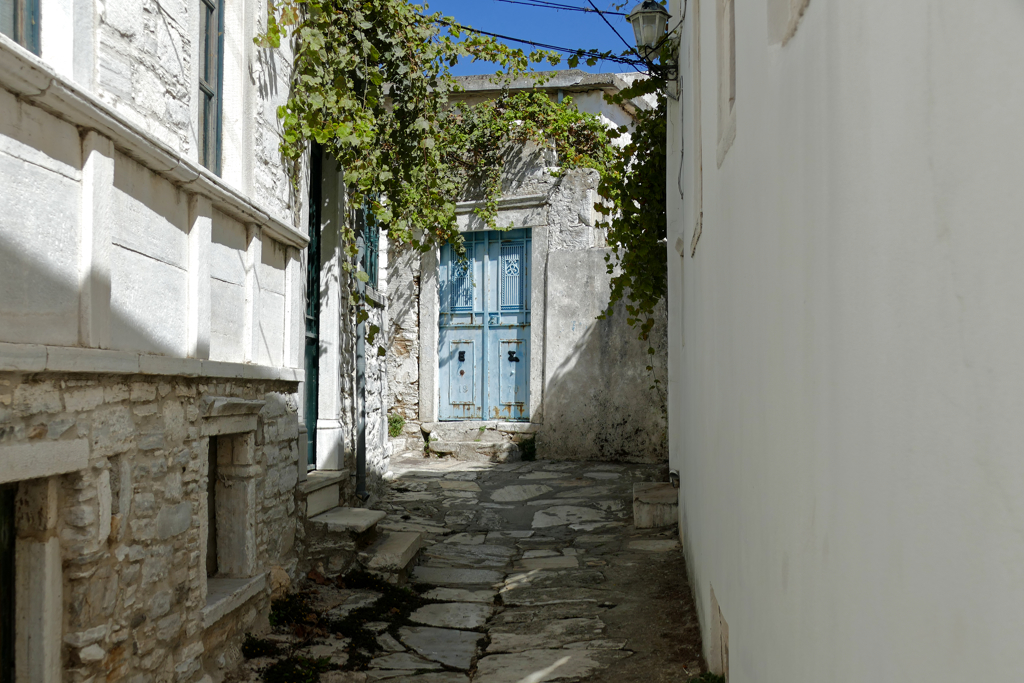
{"x": 845, "y": 344}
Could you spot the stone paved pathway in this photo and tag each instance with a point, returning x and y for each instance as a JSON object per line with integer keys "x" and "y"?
{"x": 540, "y": 576}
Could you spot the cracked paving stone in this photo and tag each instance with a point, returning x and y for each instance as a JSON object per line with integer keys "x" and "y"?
{"x": 443, "y": 677}
{"x": 453, "y": 615}
{"x": 562, "y": 515}
{"x": 560, "y": 562}
{"x": 471, "y": 556}
{"x": 450, "y": 576}
{"x": 537, "y": 666}
{"x": 541, "y": 475}
{"x": 457, "y": 485}
{"x": 403, "y": 661}
{"x": 537, "y": 635}
{"x": 485, "y": 596}
{"x": 467, "y": 539}
{"x": 519, "y": 492}
{"x": 449, "y": 647}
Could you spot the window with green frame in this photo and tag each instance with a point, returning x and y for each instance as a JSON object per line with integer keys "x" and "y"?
{"x": 211, "y": 73}
{"x": 368, "y": 235}
{"x": 19, "y": 21}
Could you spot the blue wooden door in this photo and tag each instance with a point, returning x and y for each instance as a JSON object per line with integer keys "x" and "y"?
{"x": 484, "y": 339}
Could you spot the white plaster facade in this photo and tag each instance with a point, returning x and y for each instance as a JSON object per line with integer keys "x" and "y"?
{"x": 845, "y": 335}
{"x": 150, "y": 316}
{"x": 590, "y": 395}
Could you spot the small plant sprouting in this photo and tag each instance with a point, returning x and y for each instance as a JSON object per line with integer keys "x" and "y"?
{"x": 396, "y": 423}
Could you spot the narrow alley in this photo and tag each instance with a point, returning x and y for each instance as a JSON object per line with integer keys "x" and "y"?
{"x": 529, "y": 571}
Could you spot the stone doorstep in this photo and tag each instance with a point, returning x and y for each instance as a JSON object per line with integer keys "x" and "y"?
{"x": 471, "y": 430}
{"x": 655, "y": 505}
{"x": 355, "y": 520}
{"x": 224, "y": 596}
{"x": 393, "y": 552}
{"x": 477, "y": 451}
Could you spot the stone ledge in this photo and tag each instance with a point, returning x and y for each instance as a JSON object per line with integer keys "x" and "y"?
{"x": 224, "y": 596}
{"x": 37, "y": 459}
{"x": 36, "y": 83}
{"x": 319, "y": 479}
{"x": 38, "y": 358}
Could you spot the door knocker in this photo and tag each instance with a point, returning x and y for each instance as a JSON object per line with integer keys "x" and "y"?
{"x": 462, "y": 356}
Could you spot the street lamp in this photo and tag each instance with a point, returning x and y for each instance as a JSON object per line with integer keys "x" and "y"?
{"x": 649, "y": 21}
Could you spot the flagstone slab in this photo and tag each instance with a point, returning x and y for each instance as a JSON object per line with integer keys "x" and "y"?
{"x": 562, "y": 515}
{"x": 543, "y": 634}
{"x": 449, "y": 576}
{"x": 484, "y": 595}
{"x": 457, "y": 485}
{"x": 467, "y": 539}
{"x": 593, "y": 492}
{"x": 530, "y": 554}
{"x": 546, "y": 502}
{"x": 537, "y": 666}
{"x": 603, "y": 475}
{"x": 403, "y": 661}
{"x": 453, "y": 615}
{"x": 471, "y": 556}
{"x": 560, "y": 562}
{"x": 541, "y": 475}
{"x": 528, "y": 596}
{"x": 449, "y": 647}
{"x": 519, "y": 492}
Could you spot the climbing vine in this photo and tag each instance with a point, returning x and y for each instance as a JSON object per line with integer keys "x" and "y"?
{"x": 632, "y": 192}
{"x": 372, "y": 85}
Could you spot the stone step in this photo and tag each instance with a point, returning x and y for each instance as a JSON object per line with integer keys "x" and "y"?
{"x": 488, "y": 431}
{"x": 476, "y": 451}
{"x": 323, "y": 491}
{"x": 404, "y": 444}
{"x": 353, "y": 520}
{"x": 394, "y": 552}
{"x": 655, "y": 505}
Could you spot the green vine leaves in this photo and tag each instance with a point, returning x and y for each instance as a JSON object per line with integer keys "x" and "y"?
{"x": 371, "y": 84}
{"x": 633, "y": 195}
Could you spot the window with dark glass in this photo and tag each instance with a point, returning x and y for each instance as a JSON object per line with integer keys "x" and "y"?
{"x": 211, "y": 72}
{"x": 368, "y": 239}
{"x": 19, "y": 21}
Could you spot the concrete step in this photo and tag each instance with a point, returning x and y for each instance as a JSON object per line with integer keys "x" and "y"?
{"x": 352, "y": 520}
{"x": 394, "y": 553}
{"x": 476, "y": 451}
{"x": 655, "y": 505}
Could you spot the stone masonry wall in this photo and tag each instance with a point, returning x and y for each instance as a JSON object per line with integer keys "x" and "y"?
{"x": 132, "y": 525}
{"x": 404, "y": 337}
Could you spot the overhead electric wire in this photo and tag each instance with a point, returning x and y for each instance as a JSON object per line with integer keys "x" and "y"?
{"x": 628, "y": 46}
{"x": 546, "y": 4}
{"x": 544, "y": 46}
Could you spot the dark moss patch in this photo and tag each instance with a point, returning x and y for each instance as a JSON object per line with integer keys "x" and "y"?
{"x": 708, "y": 678}
{"x": 528, "y": 449}
{"x": 393, "y": 608}
{"x": 258, "y": 647}
{"x": 297, "y": 670}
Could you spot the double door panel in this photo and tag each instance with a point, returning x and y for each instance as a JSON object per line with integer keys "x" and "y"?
{"x": 484, "y": 335}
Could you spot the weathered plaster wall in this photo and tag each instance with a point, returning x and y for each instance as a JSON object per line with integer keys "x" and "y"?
{"x": 600, "y": 401}
{"x": 845, "y": 364}
{"x": 132, "y": 525}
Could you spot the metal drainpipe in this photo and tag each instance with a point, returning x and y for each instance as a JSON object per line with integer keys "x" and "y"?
{"x": 361, "y": 492}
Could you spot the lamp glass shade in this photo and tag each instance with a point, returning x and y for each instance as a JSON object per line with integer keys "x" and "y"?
{"x": 649, "y": 20}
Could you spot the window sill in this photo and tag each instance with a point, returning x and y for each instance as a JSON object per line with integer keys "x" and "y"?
{"x": 224, "y": 596}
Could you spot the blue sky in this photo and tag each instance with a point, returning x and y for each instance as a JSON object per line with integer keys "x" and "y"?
{"x": 555, "y": 27}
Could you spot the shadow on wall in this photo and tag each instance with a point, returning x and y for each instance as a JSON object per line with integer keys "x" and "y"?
{"x": 599, "y": 403}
